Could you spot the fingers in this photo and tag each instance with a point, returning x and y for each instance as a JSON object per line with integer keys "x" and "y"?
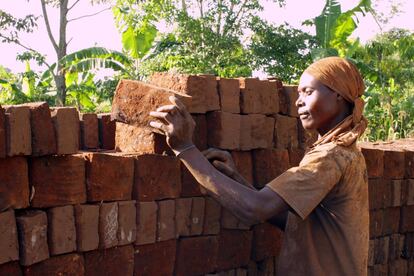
{"x": 213, "y": 153}
{"x": 181, "y": 106}
{"x": 166, "y": 108}
{"x": 160, "y": 126}
{"x": 222, "y": 167}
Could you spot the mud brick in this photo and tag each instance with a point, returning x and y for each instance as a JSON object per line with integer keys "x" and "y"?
{"x": 166, "y": 220}
{"x": 57, "y": 180}
{"x": 394, "y": 163}
{"x": 295, "y": 156}
{"x": 156, "y": 177}
{"x": 190, "y": 186}
{"x": 200, "y": 131}
{"x": 382, "y": 246}
{"x": 89, "y": 131}
{"x": 229, "y": 92}
{"x": 407, "y": 219}
{"x": 11, "y": 269}
{"x": 408, "y": 248}
{"x": 113, "y": 261}
{"x": 374, "y": 160}
{"x": 234, "y": 249}
{"x": 211, "y": 95}
{"x": 108, "y": 225}
{"x": 9, "y": 245}
{"x": 291, "y": 95}
{"x": 43, "y": 133}
{"x": 380, "y": 270}
{"x": 61, "y": 230}
{"x": 182, "y": 216}
{"x": 14, "y": 187}
{"x": 146, "y": 222}
{"x": 269, "y": 97}
{"x": 32, "y": 229}
{"x": 155, "y": 259}
{"x": 250, "y": 99}
{"x": 246, "y": 142}
{"x": 262, "y": 129}
{"x": 224, "y": 130}
{"x": 375, "y": 223}
{"x": 269, "y": 164}
{"x": 3, "y": 142}
{"x": 380, "y": 193}
{"x": 127, "y": 225}
{"x": 211, "y": 217}
{"x": 396, "y": 246}
{"x": 407, "y": 192}
{"x": 106, "y": 131}
{"x": 87, "y": 227}
{"x": 397, "y": 267}
{"x": 196, "y": 255}
{"x": 140, "y": 140}
{"x": 409, "y": 163}
{"x": 109, "y": 176}
{"x": 244, "y": 164}
{"x": 371, "y": 252}
{"x": 391, "y": 220}
{"x": 286, "y": 132}
{"x": 197, "y": 216}
{"x": 396, "y": 192}
{"x": 66, "y": 124}
{"x": 267, "y": 241}
{"x": 69, "y": 264}
{"x": 18, "y": 132}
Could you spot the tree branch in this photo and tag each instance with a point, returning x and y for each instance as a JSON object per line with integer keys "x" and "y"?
{"x": 73, "y": 5}
{"x": 89, "y": 15}
{"x": 49, "y": 31}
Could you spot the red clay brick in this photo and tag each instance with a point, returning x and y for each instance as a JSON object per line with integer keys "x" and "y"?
{"x": 269, "y": 97}
{"x": 18, "y": 132}
{"x": 66, "y": 124}
{"x": 291, "y": 95}
{"x": 262, "y": 129}
{"x": 267, "y": 241}
{"x": 245, "y": 133}
{"x": 407, "y": 191}
{"x": 14, "y": 179}
{"x": 151, "y": 182}
{"x": 408, "y": 248}
{"x": 3, "y": 142}
{"x": 371, "y": 252}
{"x": 166, "y": 220}
{"x": 57, "y": 180}
{"x": 189, "y": 185}
{"x": 211, "y": 217}
{"x": 127, "y": 225}
{"x": 211, "y": 95}
{"x": 108, "y": 225}
{"x": 295, "y": 156}
{"x": 244, "y": 164}
{"x": 224, "y": 130}
{"x": 229, "y": 92}
{"x": 11, "y": 269}
{"x": 407, "y": 219}
{"x": 409, "y": 163}
{"x": 200, "y": 131}
{"x": 380, "y": 270}
{"x": 283, "y": 99}
{"x": 391, "y": 221}
{"x": 155, "y": 259}
{"x": 375, "y": 223}
{"x": 286, "y": 132}
{"x": 396, "y": 247}
{"x": 106, "y": 131}
{"x": 394, "y": 163}
{"x": 196, "y": 255}
{"x": 87, "y": 225}
{"x": 381, "y": 250}
{"x": 109, "y": 176}
{"x": 234, "y": 249}
{"x": 269, "y": 164}
{"x": 113, "y": 261}
{"x": 250, "y": 101}
{"x": 380, "y": 193}
{"x": 61, "y": 230}
{"x": 9, "y": 245}
{"x": 146, "y": 222}
{"x": 32, "y": 229}
{"x": 43, "y": 133}
{"x": 68, "y": 265}
{"x": 396, "y": 188}
{"x": 374, "y": 159}
{"x": 397, "y": 267}
{"x": 197, "y": 216}
{"x": 182, "y": 216}
{"x": 89, "y": 131}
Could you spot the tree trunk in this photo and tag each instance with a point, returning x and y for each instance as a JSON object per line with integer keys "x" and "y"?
{"x": 61, "y": 52}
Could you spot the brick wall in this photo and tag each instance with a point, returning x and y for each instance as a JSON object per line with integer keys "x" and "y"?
{"x": 72, "y": 205}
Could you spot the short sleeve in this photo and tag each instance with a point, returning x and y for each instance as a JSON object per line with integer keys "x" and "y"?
{"x": 304, "y": 187}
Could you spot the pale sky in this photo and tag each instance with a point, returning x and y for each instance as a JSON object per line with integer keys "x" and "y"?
{"x": 100, "y": 29}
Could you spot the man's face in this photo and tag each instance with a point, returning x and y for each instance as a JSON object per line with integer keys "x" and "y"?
{"x": 318, "y": 105}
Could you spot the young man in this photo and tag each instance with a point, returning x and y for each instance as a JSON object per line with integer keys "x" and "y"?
{"x": 325, "y": 198}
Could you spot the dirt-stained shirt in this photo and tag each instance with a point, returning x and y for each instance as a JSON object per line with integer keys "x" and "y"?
{"x": 327, "y": 231}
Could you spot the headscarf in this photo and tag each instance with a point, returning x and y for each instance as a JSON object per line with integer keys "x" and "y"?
{"x": 343, "y": 77}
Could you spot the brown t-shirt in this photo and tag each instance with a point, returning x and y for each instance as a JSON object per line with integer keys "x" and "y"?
{"x": 327, "y": 233}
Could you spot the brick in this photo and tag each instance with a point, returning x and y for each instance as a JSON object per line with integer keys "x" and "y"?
{"x": 371, "y": 252}
{"x": 127, "y": 225}
{"x": 234, "y": 249}
{"x": 3, "y": 142}
{"x": 89, "y": 131}
{"x": 182, "y": 216}
{"x": 375, "y": 223}
{"x": 408, "y": 248}
{"x": 224, "y": 130}
{"x": 106, "y": 131}
{"x": 267, "y": 241}
{"x": 394, "y": 163}
{"x": 397, "y": 267}
{"x": 269, "y": 97}
{"x": 146, "y": 222}
{"x": 87, "y": 225}
{"x": 11, "y": 269}
{"x": 229, "y": 92}
{"x": 108, "y": 176}
{"x": 380, "y": 270}
{"x": 391, "y": 221}
{"x": 66, "y": 125}
{"x": 57, "y": 180}
{"x": 407, "y": 219}
{"x": 380, "y": 193}
{"x": 262, "y": 129}
{"x": 396, "y": 187}
{"x": 200, "y": 131}
{"x": 374, "y": 160}
{"x": 246, "y": 142}
{"x": 14, "y": 187}
{"x": 381, "y": 250}
{"x": 230, "y": 221}
{"x": 197, "y": 216}
{"x": 155, "y": 259}
{"x": 69, "y": 264}
{"x": 196, "y": 255}
{"x": 151, "y": 182}
{"x": 61, "y": 230}
{"x": 396, "y": 245}
{"x": 189, "y": 185}
{"x": 211, "y": 217}
{"x": 108, "y": 225}
{"x": 211, "y": 95}
{"x": 244, "y": 164}
{"x": 43, "y": 133}
{"x": 9, "y": 245}
{"x": 166, "y": 220}
{"x": 286, "y": 132}
{"x": 32, "y": 229}
{"x": 407, "y": 193}
{"x": 409, "y": 163}
{"x": 269, "y": 164}
{"x": 295, "y": 156}
{"x": 291, "y": 95}
{"x": 113, "y": 261}
{"x": 18, "y": 132}
{"x": 250, "y": 101}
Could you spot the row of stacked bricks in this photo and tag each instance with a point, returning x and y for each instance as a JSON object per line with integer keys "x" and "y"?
{"x": 391, "y": 199}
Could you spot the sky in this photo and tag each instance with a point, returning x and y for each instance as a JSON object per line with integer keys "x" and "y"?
{"x": 100, "y": 29}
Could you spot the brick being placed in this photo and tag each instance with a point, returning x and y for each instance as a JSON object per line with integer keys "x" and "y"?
{"x": 18, "y": 131}
{"x": 223, "y": 130}
{"x": 9, "y": 245}
{"x": 234, "y": 249}
{"x": 14, "y": 179}
{"x": 127, "y": 225}
{"x": 61, "y": 230}
{"x": 89, "y": 131}
{"x": 229, "y": 91}
{"x": 155, "y": 259}
{"x": 113, "y": 261}
{"x": 87, "y": 227}
{"x": 374, "y": 159}
{"x": 269, "y": 164}
{"x": 69, "y": 264}
{"x": 109, "y": 176}
{"x": 3, "y": 142}
{"x": 166, "y": 220}
{"x": 108, "y": 225}
{"x": 106, "y": 131}
{"x": 32, "y": 229}
{"x": 57, "y": 180}
{"x": 66, "y": 125}
{"x": 250, "y": 97}
{"x": 212, "y": 217}
{"x": 286, "y": 132}
{"x": 267, "y": 241}
{"x": 146, "y": 222}
{"x": 289, "y": 95}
